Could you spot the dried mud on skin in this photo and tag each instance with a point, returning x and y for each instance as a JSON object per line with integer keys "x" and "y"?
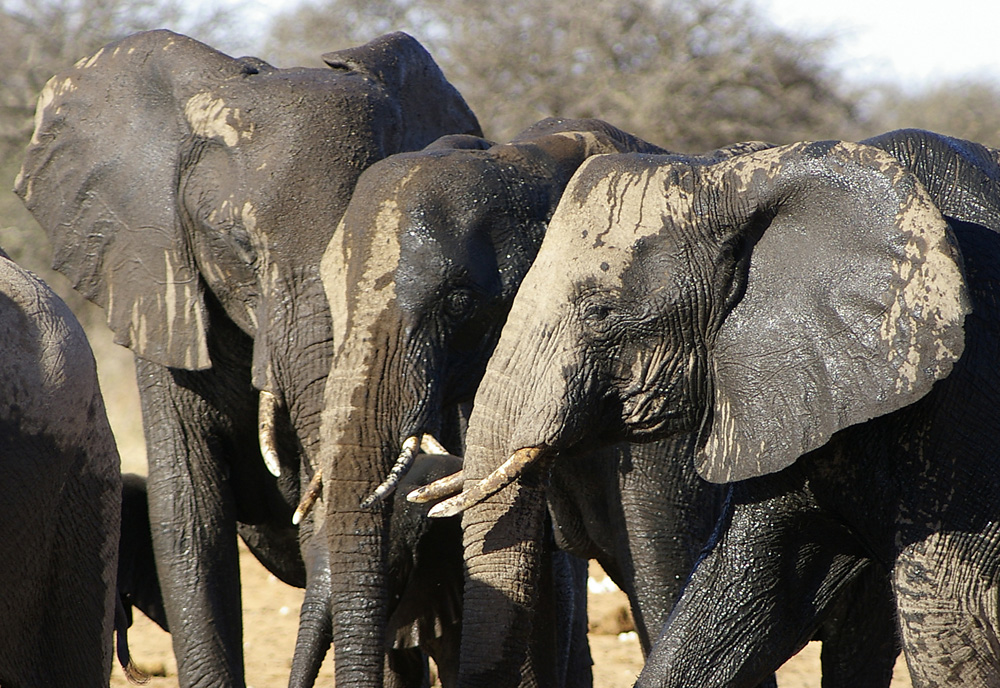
{"x": 270, "y": 621}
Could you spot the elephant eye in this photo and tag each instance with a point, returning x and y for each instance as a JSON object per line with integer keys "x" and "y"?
{"x": 459, "y": 304}
{"x": 599, "y": 314}
{"x": 239, "y": 239}
{"x": 596, "y": 312}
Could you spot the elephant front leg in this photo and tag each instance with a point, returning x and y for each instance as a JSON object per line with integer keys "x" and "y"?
{"x": 193, "y": 524}
{"x": 948, "y": 613}
{"x": 860, "y": 636}
{"x": 757, "y": 597}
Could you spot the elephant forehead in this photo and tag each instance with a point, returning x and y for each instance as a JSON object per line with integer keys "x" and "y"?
{"x": 209, "y": 116}
{"x": 607, "y": 211}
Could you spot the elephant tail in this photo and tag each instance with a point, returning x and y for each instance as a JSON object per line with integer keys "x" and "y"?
{"x": 133, "y": 673}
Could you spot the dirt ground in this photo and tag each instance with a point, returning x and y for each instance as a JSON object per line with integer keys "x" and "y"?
{"x": 270, "y": 618}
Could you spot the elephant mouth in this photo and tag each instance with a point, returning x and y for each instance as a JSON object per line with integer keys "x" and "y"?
{"x": 509, "y": 471}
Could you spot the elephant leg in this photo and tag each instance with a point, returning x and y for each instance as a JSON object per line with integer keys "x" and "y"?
{"x": 57, "y": 570}
{"x": 569, "y": 575}
{"x": 670, "y": 513}
{"x": 859, "y": 636}
{"x": 446, "y": 651}
{"x": 193, "y": 523}
{"x": 950, "y": 637}
{"x": 763, "y": 588}
{"x": 315, "y": 620}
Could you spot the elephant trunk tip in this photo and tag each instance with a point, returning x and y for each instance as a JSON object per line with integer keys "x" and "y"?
{"x": 507, "y": 473}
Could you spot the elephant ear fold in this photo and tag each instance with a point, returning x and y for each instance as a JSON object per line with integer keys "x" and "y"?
{"x": 385, "y": 59}
{"x": 428, "y": 103}
{"x": 100, "y": 177}
{"x": 961, "y": 176}
{"x": 849, "y": 299}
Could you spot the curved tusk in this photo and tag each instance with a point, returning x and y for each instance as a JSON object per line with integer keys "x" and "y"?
{"x": 411, "y": 447}
{"x": 267, "y": 409}
{"x": 429, "y": 445}
{"x": 448, "y": 486}
{"x": 309, "y": 498}
{"x": 495, "y": 481}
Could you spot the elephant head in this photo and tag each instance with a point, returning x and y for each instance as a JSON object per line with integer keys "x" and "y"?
{"x": 169, "y": 175}
{"x": 184, "y": 190}
{"x": 761, "y": 303}
{"x": 419, "y": 277}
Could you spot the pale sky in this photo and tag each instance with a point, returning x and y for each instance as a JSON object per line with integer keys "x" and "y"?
{"x": 910, "y": 42}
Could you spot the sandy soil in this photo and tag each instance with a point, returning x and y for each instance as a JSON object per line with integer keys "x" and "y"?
{"x": 270, "y": 618}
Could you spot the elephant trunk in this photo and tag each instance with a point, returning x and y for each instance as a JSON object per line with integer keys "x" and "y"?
{"x": 363, "y": 419}
{"x": 504, "y": 539}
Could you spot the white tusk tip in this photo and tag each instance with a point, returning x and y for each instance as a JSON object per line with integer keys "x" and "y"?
{"x": 449, "y": 507}
{"x": 273, "y": 467}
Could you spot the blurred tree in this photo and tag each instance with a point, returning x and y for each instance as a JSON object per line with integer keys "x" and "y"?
{"x": 967, "y": 109}
{"x": 687, "y": 74}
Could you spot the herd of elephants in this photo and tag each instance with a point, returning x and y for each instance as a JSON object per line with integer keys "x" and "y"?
{"x": 759, "y": 385}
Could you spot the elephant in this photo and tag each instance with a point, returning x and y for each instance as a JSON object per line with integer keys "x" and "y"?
{"x": 820, "y": 319}
{"x": 137, "y": 583}
{"x": 192, "y": 195}
{"x": 419, "y": 277}
{"x": 60, "y": 494}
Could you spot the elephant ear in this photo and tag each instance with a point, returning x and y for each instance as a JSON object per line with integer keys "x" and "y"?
{"x": 100, "y": 176}
{"x": 851, "y": 302}
{"x": 962, "y": 177}
{"x": 428, "y": 103}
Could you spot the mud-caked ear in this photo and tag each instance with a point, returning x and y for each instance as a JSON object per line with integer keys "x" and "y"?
{"x": 100, "y": 176}
{"x": 849, "y": 302}
{"x": 962, "y": 177}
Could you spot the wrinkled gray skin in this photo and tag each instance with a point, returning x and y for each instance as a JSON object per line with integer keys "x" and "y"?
{"x": 420, "y": 276}
{"x": 828, "y": 337}
{"x": 60, "y": 495}
{"x": 191, "y": 195}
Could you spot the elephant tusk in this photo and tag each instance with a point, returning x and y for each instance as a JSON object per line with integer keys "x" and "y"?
{"x": 447, "y": 486}
{"x": 411, "y": 447}
{"x": 309, "y": 498}
{"x": 429, "y": 445}
{"x": 267, "y": 409}
{"x": 507, "y": 473}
